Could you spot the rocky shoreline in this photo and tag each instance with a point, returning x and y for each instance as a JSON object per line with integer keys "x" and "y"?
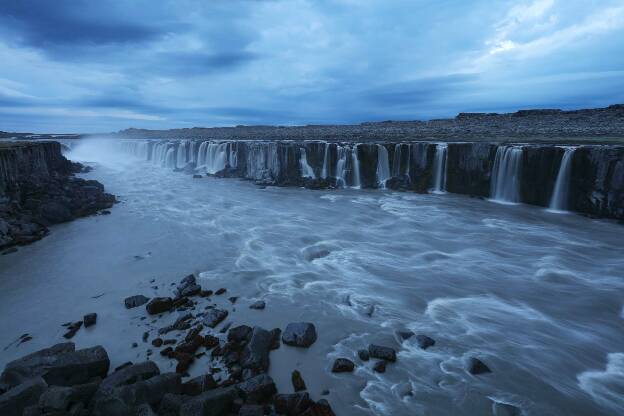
{"x": 38, "y": 188}
{"x": 61, "y": 380}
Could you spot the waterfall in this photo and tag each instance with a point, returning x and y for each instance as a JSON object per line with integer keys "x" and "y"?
{"x": 396, "y": 160}
{"x": 355, "y": 167}
{"x": 232, "y": 156}
{"x": 306, "y": 170}
{"x": 505, "y": 182}
{"x": 439, "y": 168}
{"x": 324, "y": 172}
{"x": 181, "y": 156}
{"x": 383, "y": 166}
{"x": 201, "y": 153}
{"x": 561, "y": 193}
{"x": 216, "y": 157}
{"x": 341, "y": 166}
{"x": 170, "y": 161}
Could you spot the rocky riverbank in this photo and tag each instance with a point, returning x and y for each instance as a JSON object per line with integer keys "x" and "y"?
{"x": 38, "y": 188}
{"x": 61, "y": 380}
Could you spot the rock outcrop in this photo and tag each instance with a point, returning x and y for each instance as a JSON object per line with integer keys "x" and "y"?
{"x": 38, "y": 189}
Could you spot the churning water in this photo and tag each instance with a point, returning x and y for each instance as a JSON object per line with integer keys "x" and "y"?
{"x": 536, "y": 296}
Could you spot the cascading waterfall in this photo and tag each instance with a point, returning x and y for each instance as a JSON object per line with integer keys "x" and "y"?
{"x": 506, "y": 173}
{"x": 216, "y": 157}
{"x": 232, "y": 155}
{"x": 355, "y": 167}
{"x": 181, "y": 154}
{"x": 439, "y": 168}
{"x": 170, "y": 161}
{"x": 306, "y": 169}
{"x": 341, "y": 166}
{"x": 561, "y": 193}
{"x": 383, "y": 166}
{"x": 324, "y": 172}
{"x": 201, "y": 153}
{"x": 396, "y": 160}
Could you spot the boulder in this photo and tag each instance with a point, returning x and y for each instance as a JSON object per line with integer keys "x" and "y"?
{"x": 297, "y": 381}
{"x": 276, "y": 334}
{"x": 190, "y": 290}
{"x": 58, "y": 398}
{"x": 134, "y": 301}
{"x": 364, "y": 355}
{"x": 215, "y": 402}
{"x": 380, "y": 366}
{"x": 239, "y": 334}
{"x": 299, "y": 334}
{"x": 343, "y": 365}
{"x": 198, "y": 385}
{"x": 171, "y": 403}
{"x": 214, "y": 317}
{"x": 251, "y": 410}
{"x": 59, "y": 365}
{"x": 90, "y": 319}
{"x": 129, "y": 375}
{"x": 14, "y": 401}
{"x": 257, "y": 389}
{"x": 292, "y": 404}
{"x": 159, "y": 305}
{"x": 403, "y": 335}
{"x": 320, "y": 408}
{"x": 255, "y": 355}
{"x": 382, "y": 353}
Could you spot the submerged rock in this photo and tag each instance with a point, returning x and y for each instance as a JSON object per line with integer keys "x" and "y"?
{"x": 364, "y": 355}
{"x": 380, "y": 366}
{"x": 90, "y": 319}
{"x": 259, "y": 304}
{"x": 299, "y": 334}
{"x": 424, "y": 341}
{"x": 159, "y": 305}
{"x": 476, "y": 367}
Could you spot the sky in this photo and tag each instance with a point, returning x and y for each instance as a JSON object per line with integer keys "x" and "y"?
{"x": 99, "y": 66}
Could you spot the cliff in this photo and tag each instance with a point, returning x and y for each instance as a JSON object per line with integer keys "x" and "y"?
{"x": 37, "y": 189}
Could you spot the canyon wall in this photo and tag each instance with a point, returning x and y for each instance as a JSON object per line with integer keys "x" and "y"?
{"x": 591, "y": 182}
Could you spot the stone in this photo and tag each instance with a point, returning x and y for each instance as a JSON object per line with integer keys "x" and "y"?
{"x": 190, "y": 290}
{"x": 276, "y": 334}
{"x": 215, "y": 402}
{"x": 292, "y": 404}
{"x": 476, "y": 367}
{"x": 58, "y": 398}
{"x": 72, "y": 328}
{"x": 404, "y": 335}
{"x": 255, "y": 355}
{"x": 157, "y": 342}
{"x": 220, "y": 291}
{"x": 239, "y": 334}
{"x": 214, "y": 317}
{"x": 259, "y": 304}
{"x": 380, "y": 366}
{"x": 297, "y": 381}
{"x": 505, "y": 409}
{"x": 251, "y": 410}
{"x": 382, "y": 353}
{"x": 90, "y": 319}
{"x": 424, "y": 341}
{"x": 320, "y": 408}
{"x": 134, "y": 301}
{"x": 129, "y": 375}
{"x": 343, "y": 365}
{"x": 171, "y": 403}
{"x": 60, "y": 365}
{"x": 159, "y": 305}
{"x": 299, "y": 334}
{"x": 364, "y": 355}
{"x": 14, "y": 401}
{"x": 198, "y": 385}
{"x": 257, "y": 389}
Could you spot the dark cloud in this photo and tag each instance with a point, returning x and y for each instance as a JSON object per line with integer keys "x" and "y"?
{"x": 199, "y": 63}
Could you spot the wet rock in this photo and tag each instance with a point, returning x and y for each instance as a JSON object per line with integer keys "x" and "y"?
{"x": 129, "y": 375}
{"x": 276, "y": 334}
{"x": 205, "y": 293}
{"x": 145, "y": 336}
{"x": 198, "y": 385}
{"x": 134, "y": 345}
{"x": 504, "y": 409}
{"x": 325, "y": 392}
{"x": 190, "y": 290}
{"x": 403, "y": 335}
{"x": 226, "y": 328}
{"x": 233, "y": 299}
{"x": 292, "y": 404}
{"x": 171, "y": 403}
{"x": 214, "y": 317}
{"x": 210, "y": 341}
{"x": 59, "y": 365}
{"x": 184, "y": 361}
{"x": 134, "y": 301}
{"x": 181, "y": 324}
{"x": 382, "y": 353}
{"x": 320, "y": 408}
{"x": 424, "y": 341}
{"x": 14, "y": 401}
{"x": 299, "y": 334}
{"x": 25, "y": 338}
{"x": 167, "y": 352}
{"x": 363, "y": 354}
{"x": 157, "y": 342}
{"x": 255, "y": 355}
{"x": 380, "y": 367}
{"x": 476, "y": 367}
{"x": 343, "y": 365}
{"x": 124, "y": 365}
{"x": 197, "y": 176}
{"x": 159, "y": 305}
{"x": 221, "y": 291}
{"x": 211, "y": 403}
{"x": 297, "y": 381}
{"x": 259, "y": 304}
{"x": 90, "y": 319}
{"x": 72, "y": 329}
{"x": 257, "y": 389}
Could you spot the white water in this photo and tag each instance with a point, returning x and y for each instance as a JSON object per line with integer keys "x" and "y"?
{"x": 439, "y": 168}
{"x": 355, "y": 166}
{"x": 341, "y": 165}
{"x": 324, "y": 172}
{"x": 383, "y": 166}
{"x": 561, "y": 193}
{"x": 512, "y": 285}
{"x": 306, "y": 170}
{"x": 505, "y": 181}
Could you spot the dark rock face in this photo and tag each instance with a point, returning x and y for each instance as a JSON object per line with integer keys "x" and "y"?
{"x": 135, "y": 301}
{"x": 382, "y": 353}
{"x": 299, "y": 334}
{"x": 37, "y": 189}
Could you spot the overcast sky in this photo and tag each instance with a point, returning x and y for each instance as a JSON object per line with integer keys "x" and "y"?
{"x": 96, "y": 66}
